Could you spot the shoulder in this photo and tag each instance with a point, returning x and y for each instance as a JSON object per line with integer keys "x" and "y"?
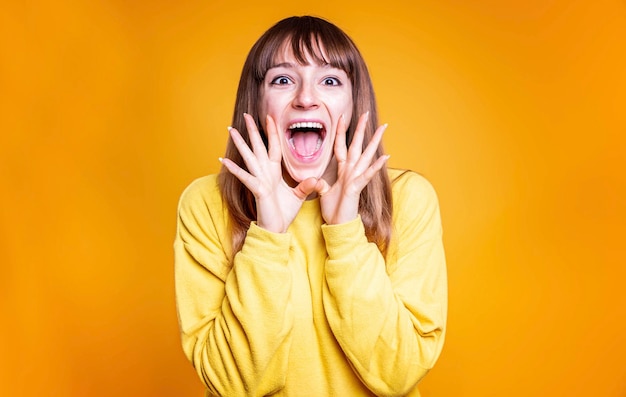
{"x": 407, "y": 185}
{"x": 201, "y": 210}
{"x": 202, "y": 226}
{"x": 415, "y": 202}
{"x": 202, "y": 193}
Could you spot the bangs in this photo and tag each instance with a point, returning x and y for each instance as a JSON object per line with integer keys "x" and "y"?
{"x": 307, "y": 38}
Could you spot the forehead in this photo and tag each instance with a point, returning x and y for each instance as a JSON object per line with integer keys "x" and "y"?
{"x": 312, "y": 53}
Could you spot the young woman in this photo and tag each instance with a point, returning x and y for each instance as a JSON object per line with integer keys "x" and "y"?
{"x": 306, "y": 267}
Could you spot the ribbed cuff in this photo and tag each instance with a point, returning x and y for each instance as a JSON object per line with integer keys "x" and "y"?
{"x": 266, "y": 246}
{"x": 342, "y": 239}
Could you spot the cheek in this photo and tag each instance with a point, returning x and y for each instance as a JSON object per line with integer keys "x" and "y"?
{"x": 347, "y": 114}
{"x": 271, "y": 105}
{"x": 264, "y": 108}
{"x": 261, "y": 110}
{"x": 348, "y": 105}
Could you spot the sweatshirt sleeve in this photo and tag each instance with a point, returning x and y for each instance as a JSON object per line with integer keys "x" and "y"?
{"x": 389, "y": 315}
{"x": 235, "y": 318}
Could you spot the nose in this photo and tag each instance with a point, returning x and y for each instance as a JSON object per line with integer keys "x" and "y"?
{"x": 306, "y": 98}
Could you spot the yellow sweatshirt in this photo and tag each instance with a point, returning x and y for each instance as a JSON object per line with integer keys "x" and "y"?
{"x": 315, "y": 311}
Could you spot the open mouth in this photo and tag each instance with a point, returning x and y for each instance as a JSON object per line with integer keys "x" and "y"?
{"x": 305, "y": 138}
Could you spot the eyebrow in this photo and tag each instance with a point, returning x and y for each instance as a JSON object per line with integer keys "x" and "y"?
{"x": 283, "y": 65}
{"x": 290, "y": 65}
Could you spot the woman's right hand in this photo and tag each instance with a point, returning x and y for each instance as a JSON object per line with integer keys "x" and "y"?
{"x": 277, "y": 203}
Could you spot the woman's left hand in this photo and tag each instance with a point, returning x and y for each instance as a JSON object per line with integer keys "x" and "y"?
{"x": 340, "y": 202}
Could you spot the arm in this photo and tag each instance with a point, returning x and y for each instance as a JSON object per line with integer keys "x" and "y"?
{"x": 389, "y": 318}
{"x": 235, "y": 321}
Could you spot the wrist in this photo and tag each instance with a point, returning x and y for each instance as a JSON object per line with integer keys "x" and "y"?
{"x": 272, "y": 228}
{"x": 342, "y": 217}
{"x": 342, "y": 239}
{"x": 341, "y": 220}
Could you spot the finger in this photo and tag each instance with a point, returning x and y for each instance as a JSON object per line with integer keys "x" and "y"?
{"x": 248, "y": 180}
{"x": 356, "y": 146}
{"x": 372, "y": 146}
{"x": 305, "y": 188}
{"x": 341, "y": 151}
{"x": 258, "y": 147}
{"x": 321, "y": 187}
{"x": 248, "y": 157}
{"x": 272, "y": 139}
{"x": 369, "y": 173}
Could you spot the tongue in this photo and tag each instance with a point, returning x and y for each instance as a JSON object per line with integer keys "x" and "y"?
{"x": 305, "y": 142}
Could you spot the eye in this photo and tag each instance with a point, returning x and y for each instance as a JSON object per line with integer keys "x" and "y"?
{"x": 331, "y": 81}
{"x": 281, "y": 80}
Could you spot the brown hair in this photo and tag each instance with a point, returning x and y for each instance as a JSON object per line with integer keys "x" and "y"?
{"x": 307, "y": 35}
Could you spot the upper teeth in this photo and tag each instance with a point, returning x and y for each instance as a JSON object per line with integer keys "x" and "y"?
{"x": 309, "y": 124}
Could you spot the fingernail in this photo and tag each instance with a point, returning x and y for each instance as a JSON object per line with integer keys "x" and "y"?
{"x": 220, "y": 159}
{"x": 229, "y": 128}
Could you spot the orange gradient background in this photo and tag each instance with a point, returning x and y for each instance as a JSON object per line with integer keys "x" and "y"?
{"x": 513, "y": 110}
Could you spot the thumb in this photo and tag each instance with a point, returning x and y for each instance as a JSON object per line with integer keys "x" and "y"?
{"x": 321, "y": 187}
{"x": 305, "y": 188}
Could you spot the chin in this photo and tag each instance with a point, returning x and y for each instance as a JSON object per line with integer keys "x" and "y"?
{"x": 298, "y": 171}
{"x": 300, "y": 175}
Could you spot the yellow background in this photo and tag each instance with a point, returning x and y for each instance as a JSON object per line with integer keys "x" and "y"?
{"x": 513, "y": 109}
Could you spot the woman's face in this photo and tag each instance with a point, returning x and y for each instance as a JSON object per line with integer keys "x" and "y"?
{"x": 306, "y": 103}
